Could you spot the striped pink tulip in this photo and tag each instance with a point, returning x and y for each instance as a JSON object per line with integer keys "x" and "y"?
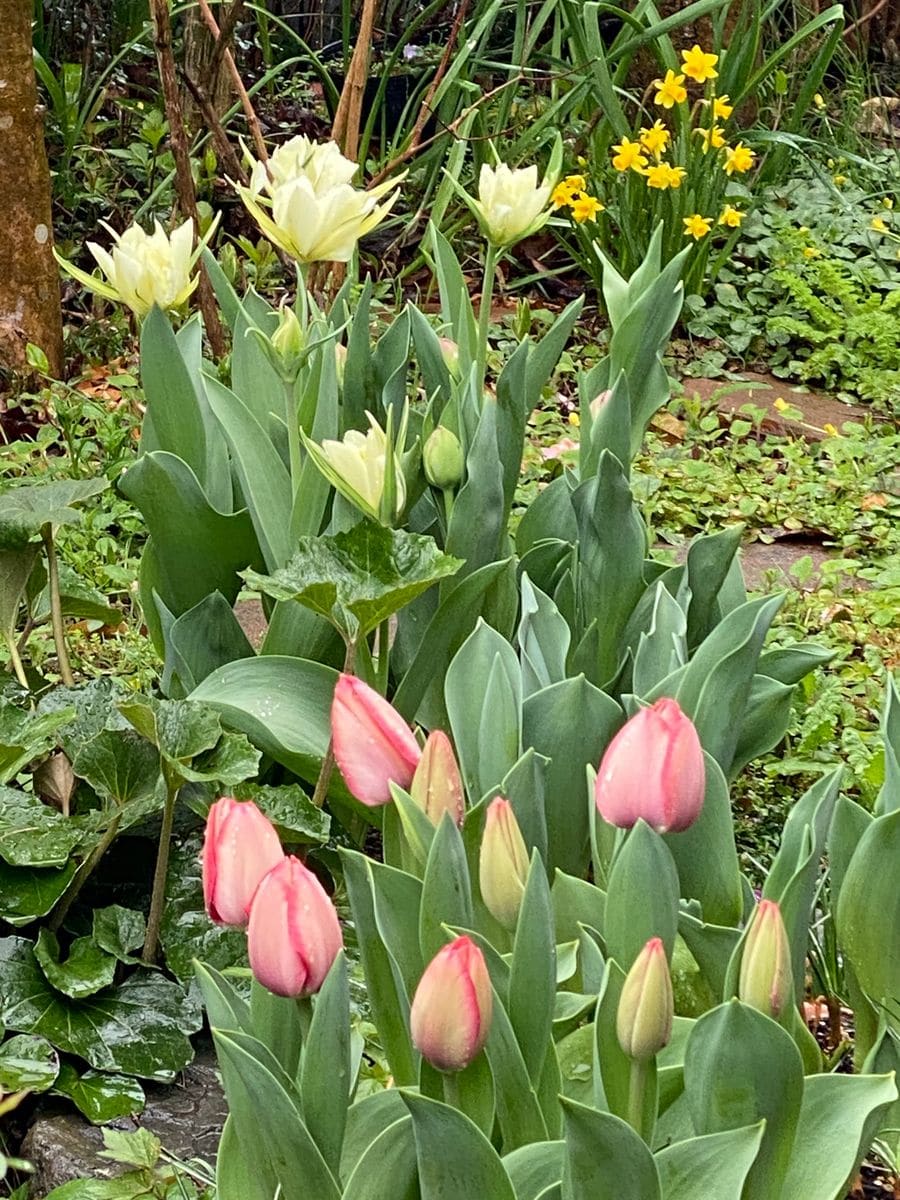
{"x": 239, "y": 848}
{"x": 373, "y": 745}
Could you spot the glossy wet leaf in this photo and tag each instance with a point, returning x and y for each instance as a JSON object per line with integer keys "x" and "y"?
{"x": 27, "y": 893}
{"x": 82, "y": 971}
{"x": 27, "y": 1064}
{"x": 26, "y": 735}
{"x": 94, "y": 707}
{"x": 24, "y": 510}
{"x": 33, "y": 834}
{"x": 118, "y": 931}
{"x": 139, "y": 1028}
{"x": 179, "y": 729}
{"x": 98, "y": 1095}
{"x": 290, "y": 809}
{"x": 119, "y": 765}
{"x": 187, "y": 932}
{"x": 368, "y": 571}
{"x": 231, "y": 762}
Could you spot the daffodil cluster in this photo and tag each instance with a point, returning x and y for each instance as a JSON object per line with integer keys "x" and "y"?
{"x": 572, "y": 193}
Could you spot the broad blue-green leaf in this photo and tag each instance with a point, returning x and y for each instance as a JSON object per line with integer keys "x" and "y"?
{"x": 173, "y": 404}
{"x": 387, "y": 1169}
{"x": 368, "y": 571}
{"x": 27, "y": 1064}
{"x": 709, "y": 560}
{"x": 519, "y": 1114}
{"x": 714, "y": 1165}
{"x": 642, "y": 897}
{"x": 99, "y": 1096}
{"x": 532, "y": 979}
{"x": 281, "y": 703}
{"x": 889, "y": 796}
{"x": 325, "y": 1071}
{"x": 605, "y": 1158}
{"x": 544, "y": 637}
{"x": 86, "y": 968}
{"x": 455, "y": 1158}
{"x": 206, "y": 637}
{"x": 366, "y": 1119}
{"x": 868, "y": 912}
{"x": 532, "y": 1169}
{"x": 139, "y": 1028}
{"x": 446, "y": 889}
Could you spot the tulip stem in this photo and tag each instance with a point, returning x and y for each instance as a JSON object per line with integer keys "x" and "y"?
{"x": 637, "y": 1085}
{"x": 56, "y": 614}
{"x": 328, "y": 761}
{"x": 484, "y": 313}
{"x": 452, "y": 1094}
{"x": 158, "y": 896}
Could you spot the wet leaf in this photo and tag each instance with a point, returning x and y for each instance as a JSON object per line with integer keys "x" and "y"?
{"x": 94, "y": 708}
{"x": 25, "y": 735}
{"x": 119, "y": 765}
{"x": 85, "y": 970}
{"x": 119, "y": 930}
{"x": 27, "y": 1064}
{"x": 27, "y": 893}
{"x": 33, "y": 834}
{"x": 291, "y": 810}
{"x": 99, "y": 1096}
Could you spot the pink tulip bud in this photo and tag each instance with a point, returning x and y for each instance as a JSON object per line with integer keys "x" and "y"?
{"x": 294, "y": 934}
{"x": 239, "y": 848}
{"x": 451, "y": 1011}
{"x": 502, "y": 863}
{"x": 646, "y": 1008}
{"x": 766, "y": 980}
{"x": 598, "y": 402}
{"x": 437, "y": 785}
{"x": 373, "y": 745}
{"x": 653, "y": 770}
{"x": 450, "y": 355}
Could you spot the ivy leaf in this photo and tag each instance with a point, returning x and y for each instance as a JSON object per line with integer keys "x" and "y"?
{"x": 27, "y": 1064}
{"x": 86, "y": 970}
{"x": 290, "y": 810}
{"x": 118, "y": 931}
{"x": 139, "y": 1028}
{"x": 368, "y": 572}
{"x": 99, "y": 1096}
{"x": 187, "y": 933}
{"x": 25, "y": 735}
{"x": 33, "y": 834}
{"x": 119, "y": 765}
{"x": 27, "y": 893}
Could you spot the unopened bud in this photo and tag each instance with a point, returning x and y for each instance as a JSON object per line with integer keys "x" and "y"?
{"x": 450, "y": 355}
{"x": 442, "y": 459}
{"x": 766, "y": 980}
{"x": 340, "y": 357}
{"x": 598, "y": 402}
{"x": 646, "y": 1007}
{"x": 288, "y": 340}
{"x": 502, "y": 863}
{"x": 437, "y": 784}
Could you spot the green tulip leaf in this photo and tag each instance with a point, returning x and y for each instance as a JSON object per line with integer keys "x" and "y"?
{"x": 532, "y": 978}
{"x": 325, "y": 1073}
{"x": 366, "y": 1119}
{"x": 33, "y": 834}
{"x": 387, "y": 1168}
{"x": 368, "y": 571}
{"x": 27, "y": 1063}
{"x": 27, "y": 893}
{"x": 869, "y": 911}
{"x": 446, "y": 889}
{"x": 119, "y": 931}
{"x": 98, "y": 1095}
{"x": 473, "y": 1168}
{"x": 139, "y": 1028}
{"x": 535, "y": 1168}
{"x": 605, "y": 1158}
{"x": 26, "y": 735}
{"x": 642, "y": 897}
{"x": 716, "y": 1164}
{"x": 86, "y": 969}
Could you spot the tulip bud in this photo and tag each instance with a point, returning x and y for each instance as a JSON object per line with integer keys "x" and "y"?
{"x": 450, "y": 355}
{"x": 442, "y": 459}
{"x": 653, "y": 770}
{"x": 288, "y": 340}
{"x": 340, "y": 359}
{"x": 502, "y": 863}
{"x": 437, "y": 785}
{"x": 598, "y": 402}
{"x": 294, "y": 934}
{"x": 511, "y": 204}
{"x": 766, "y": 981}
{"x": 240, "y": 847}
{"x": 646, "y": 1006}
{"x": 451, "y": 1011}
{"x": 373, "y": 745}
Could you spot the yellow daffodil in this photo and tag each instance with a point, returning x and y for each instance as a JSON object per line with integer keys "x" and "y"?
{"x": 830, "y": 430}
{"x": 711, "y": 137}
{"x": 575, "y": 183}
{"x": 887, "y": 201}
{"x": 739, "y": 158}
{"x": 812, "y": 252}
{"x": 574, "y": 419}
{"x": 840, "y": 180}
{"x": 731, "y": 216}
{"x": 819, "y": 100}
{"x": 879, "y": 225}
{"x": 663, "y": 175}
{"x": 629, "y": 156}
{"x": 722, "y": 108}
{"x": 562, "y": 195}
{"x": 585, "y": 208}
{"x": 698, "y": 65}
{"x": 655, "y": 139}
{"x": 696, "y": 226}
{"x": 670, "y": 91}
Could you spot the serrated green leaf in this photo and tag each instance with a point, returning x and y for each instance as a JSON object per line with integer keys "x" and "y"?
{"x": 119, "y": 764}
{"x": 137, "y": 1148}
{"x": 368, "y": 571}
{"x": 290, "y": 809}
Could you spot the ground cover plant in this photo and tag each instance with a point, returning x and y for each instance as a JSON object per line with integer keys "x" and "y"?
{"x": 518, "y": 825}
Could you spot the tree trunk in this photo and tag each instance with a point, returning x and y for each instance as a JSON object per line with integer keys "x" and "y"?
{"x": 198, "y": 53}
{"x": 29, "y": 280}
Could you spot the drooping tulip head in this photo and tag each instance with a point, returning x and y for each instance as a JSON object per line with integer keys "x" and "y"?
{"x": 450, "y": 1017}
{"x": 240, "y": 847}
{"x": 653, "y": 770}
{"x": 373, "y": 745}
{"x": 294, "y": 934}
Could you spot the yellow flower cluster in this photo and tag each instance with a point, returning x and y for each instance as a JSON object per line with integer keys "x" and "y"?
{"x": 697, "y": 226}
{"x": 572, "y": 193}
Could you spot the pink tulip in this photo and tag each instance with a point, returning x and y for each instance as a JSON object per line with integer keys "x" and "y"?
{"x": 451, "y": 1011}
{"x": 653, "y": 770}
{"x": 294, "y": 934}
{"x": 373, "y": 745}
{"x": 437, "y": 785}
{"x": 239, "y": 848}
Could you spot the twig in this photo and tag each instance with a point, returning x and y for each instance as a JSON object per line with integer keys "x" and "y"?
{"x": 223, "y": 39}
{"x": 345, "y": 129}
{"x": 184, "y": 183}
{"x": 866, "y": 16}
{"x": 446, "y": 59}
{"x": 249, "y": 111}
{"x": 227, "y": 152}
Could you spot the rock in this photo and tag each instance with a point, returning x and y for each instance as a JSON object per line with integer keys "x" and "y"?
{"x": 186, "y": 1116}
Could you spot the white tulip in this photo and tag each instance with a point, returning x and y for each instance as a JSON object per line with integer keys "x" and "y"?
{"x": 511, "y": 204}
{"x": 356, "y": 466}
{"x": 303, "y": 201}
